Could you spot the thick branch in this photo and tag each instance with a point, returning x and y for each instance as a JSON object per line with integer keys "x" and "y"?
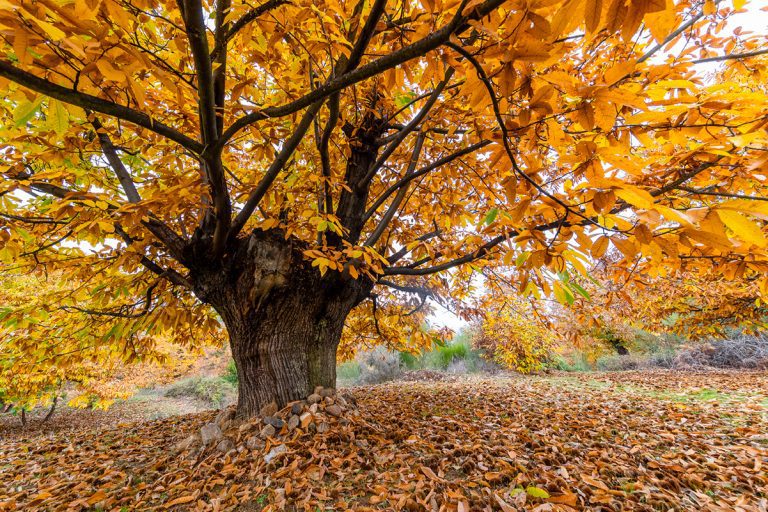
{"x": 89, "y": 102}
{"x": 217, "y": 218}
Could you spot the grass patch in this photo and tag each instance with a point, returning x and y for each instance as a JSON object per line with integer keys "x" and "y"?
{"x": 348, "y": 372}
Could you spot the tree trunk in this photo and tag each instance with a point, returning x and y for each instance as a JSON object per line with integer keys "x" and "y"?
{"x": 283, "y": 318}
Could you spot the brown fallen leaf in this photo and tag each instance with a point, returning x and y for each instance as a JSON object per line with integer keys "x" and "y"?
{"x": 180, "y": 501}
{"x": 567, "y": 498}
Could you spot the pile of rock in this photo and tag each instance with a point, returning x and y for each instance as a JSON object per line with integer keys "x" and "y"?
{"x": 314, "y": 415}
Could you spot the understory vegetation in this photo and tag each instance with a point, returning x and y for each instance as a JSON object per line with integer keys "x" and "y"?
{"x": 644, "y": 351}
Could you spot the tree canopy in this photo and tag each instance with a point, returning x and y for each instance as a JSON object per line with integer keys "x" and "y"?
{"x": 399, "y": 148}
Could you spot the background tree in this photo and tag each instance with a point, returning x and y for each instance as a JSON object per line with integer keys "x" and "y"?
{"x": 286, "y": 163}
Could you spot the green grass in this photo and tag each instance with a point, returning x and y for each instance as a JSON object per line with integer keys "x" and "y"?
{"x": 348, "y": 372}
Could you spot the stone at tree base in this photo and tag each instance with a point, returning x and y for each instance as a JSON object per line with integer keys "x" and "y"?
{"x": 186, "y": 444}
{"x": 305, "y": 419}
{"x": 210, "y": 432}
{"x": 269, "y": 410}
{"x": 274, "y": 421}
{"x": 250, "y": 425}
{"x": 334, "y": 410}
{"x": 225, "y": 445}
{"x": 295, "y": 419}
{"x": 267, "y": 431}
{"x": 254, "y": 443}
{"x": 318, "y": 390}
{"x": 225, "y": 415}
{"x": 274, "y": 452}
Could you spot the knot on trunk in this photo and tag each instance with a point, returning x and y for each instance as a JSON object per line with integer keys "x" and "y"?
{"x": 271, "y": 263}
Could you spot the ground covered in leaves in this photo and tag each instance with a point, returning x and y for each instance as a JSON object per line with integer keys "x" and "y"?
{"x": 595, "y": 441}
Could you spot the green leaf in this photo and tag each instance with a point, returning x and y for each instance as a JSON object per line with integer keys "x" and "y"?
{"x": 402, "y": 100}
{"x": 492, "y": 214}
{"x": 580, "y": 290}
{"x": 26, "y": 111}
{"x": 536, "y": 492}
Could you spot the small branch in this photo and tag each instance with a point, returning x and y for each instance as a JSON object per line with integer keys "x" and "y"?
{"x": 238, "y": 25}
{"x": 392, "y": 210}
{"x": 417, "y": 290}
{"x": 721, "y": 194}
{"x": 110, "y": 152}
{"x": 732, "y": 56}
{"x": 409, "y": 128}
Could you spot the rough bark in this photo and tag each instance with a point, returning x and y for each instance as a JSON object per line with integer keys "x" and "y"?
{"x": 283, "y": 318}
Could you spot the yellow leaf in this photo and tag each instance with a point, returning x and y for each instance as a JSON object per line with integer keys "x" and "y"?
{"x": 20, "y": 43}
{"x": 58, "y": 117}
{"x": 744, "y": 228}
{"x": 635, "y": 196}
{"x": 599, "y": 247}
{"x": 592, "y": 13}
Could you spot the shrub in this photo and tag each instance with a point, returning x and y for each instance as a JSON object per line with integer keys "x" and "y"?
{"x": 576, "y": 362}
{"x": 410, "y": 361}
{"x": 215, "y": 391}
{"x": 378, "y": 365}
{"x": 617, "y": 363}
{"x": 514, "y": 340}
{"x": 231, "y": 374}
{"x": 741, "y": 352}
{"x": 450, "y": 352}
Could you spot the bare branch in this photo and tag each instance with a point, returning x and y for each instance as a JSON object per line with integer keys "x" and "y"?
{"x": 421, "y": 172}
{"x": 409, "y": 128}
{"x": 732, "y": 56}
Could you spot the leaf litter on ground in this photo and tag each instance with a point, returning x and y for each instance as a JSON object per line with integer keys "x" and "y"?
{"x": 595, "y": 441}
